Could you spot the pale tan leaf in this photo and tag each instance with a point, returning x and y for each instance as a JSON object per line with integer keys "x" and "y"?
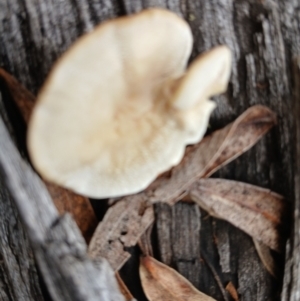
{"x": 214, "y": 151}
{"x": 121, "y": 227}
{"x": 64, "y": 200}
{"x": 255, "y": 210}
{"x": 266, "y": 257}
{"x": 162, "y": 283}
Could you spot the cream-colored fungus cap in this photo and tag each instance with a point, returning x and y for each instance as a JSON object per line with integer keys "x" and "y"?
{"x": 118, "y": 108}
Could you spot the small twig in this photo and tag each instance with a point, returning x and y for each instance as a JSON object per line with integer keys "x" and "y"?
{"x": 216, "y": 276}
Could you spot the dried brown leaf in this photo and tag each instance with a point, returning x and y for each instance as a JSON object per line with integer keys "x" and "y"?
{"x": 255, "y": 210}
{"x": 123, "y": 288}
{"x": 242, "y": 134}
{"x": 122, "y": 226}
{"x": 22, "y": 97}
{"x": 232, "y": 291}
{"x": 79, "y": 206}
{"x": 64, "y": 200}
{"x": 200, "y": 160}
{"x": 162, "y": 283}
{"x": 266, "y": 257}
{"x": 214, "y": 151}
{"x": 145, "y": 243}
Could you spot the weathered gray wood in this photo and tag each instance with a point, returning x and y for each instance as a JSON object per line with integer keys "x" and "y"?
{"x": 291, "y": 285}
{"x": 18, "y": 274}
{"x": 35, "y": 33}
{"x": 264, "y": 36}
{"x": 58, "y": 246}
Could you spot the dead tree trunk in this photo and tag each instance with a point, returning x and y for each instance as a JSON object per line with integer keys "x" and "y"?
{"x": 264, "y": 36}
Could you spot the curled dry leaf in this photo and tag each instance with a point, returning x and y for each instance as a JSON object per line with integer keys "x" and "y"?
{"x": 255, "y": 210}
{"x": 214, "y": 151}
{"x": 242, "y": 134}
{"x": 200, "y": 160}
{"x": 162, "y": 283}
{"x": 121, "y": 228}
{"x": 64, "y": 200}
{"x": 266, "y": 257}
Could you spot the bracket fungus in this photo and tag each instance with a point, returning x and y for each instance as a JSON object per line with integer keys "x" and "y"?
{"x": 119, "y": 107}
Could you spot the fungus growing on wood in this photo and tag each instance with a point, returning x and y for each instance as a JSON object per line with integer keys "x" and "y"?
{"x": 119, "y": 108}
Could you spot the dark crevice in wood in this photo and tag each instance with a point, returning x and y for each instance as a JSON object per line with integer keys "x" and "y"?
{"x": 130, "y": 274}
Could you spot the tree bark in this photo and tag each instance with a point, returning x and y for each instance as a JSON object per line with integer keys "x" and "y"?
{"x": 264, "y": 36}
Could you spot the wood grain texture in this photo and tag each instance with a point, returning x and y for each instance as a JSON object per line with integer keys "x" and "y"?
{"x": 19, "y": 278}
{"x": 18, "y": 274}
{"x": 291, "y": 285}
{"x": 264, "y": 36}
